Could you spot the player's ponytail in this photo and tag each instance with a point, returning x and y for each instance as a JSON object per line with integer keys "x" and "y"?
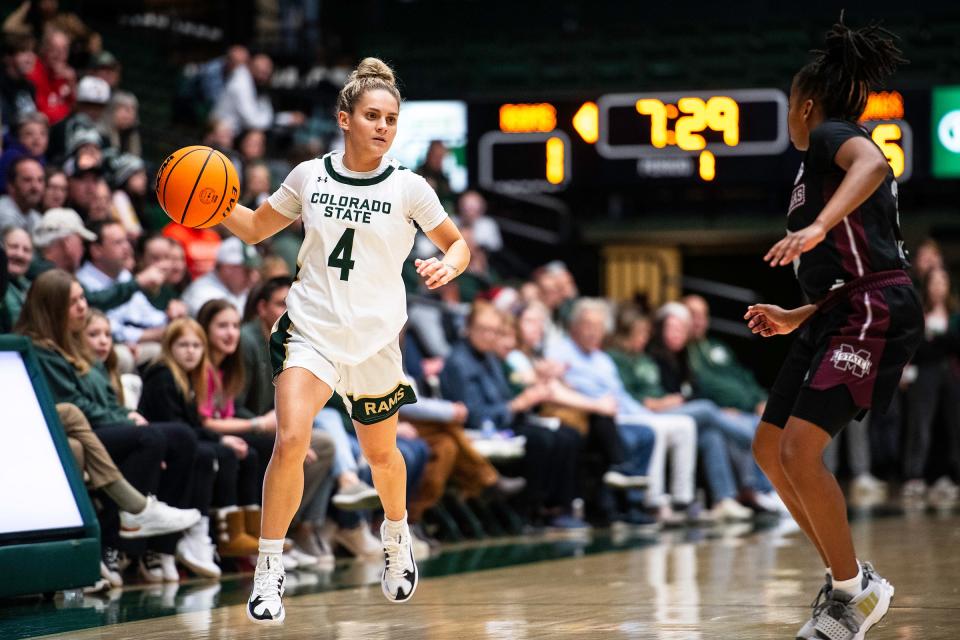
{"x": 370, "y": 74}
{"x": 851, "y": 63}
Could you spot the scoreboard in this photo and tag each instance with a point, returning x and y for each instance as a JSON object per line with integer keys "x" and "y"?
{"x": 734, "y": 136}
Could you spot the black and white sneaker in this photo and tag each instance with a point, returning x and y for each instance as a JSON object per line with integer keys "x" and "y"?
{"x": 265, "y": 605}
{"x": 399, "y": 578}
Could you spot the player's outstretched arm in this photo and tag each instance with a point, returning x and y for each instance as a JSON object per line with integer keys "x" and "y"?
{"x": 456, "y": 256}
{"x": 255, "y": 226}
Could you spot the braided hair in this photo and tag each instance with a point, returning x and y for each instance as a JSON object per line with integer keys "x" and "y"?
{"x": 853, "y": 61}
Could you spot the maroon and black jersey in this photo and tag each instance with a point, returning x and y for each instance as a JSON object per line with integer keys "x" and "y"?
{"x": 866, "y": 241}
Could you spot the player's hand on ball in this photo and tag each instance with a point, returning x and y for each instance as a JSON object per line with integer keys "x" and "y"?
{"x": 795, "y": 243}
{"x": 770, "y": 320}
{"x": 435, "y": 273}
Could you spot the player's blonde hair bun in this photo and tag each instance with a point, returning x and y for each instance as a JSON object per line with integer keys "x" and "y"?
{"x": 370, "y": 74}
{"x": 373, "y": 68}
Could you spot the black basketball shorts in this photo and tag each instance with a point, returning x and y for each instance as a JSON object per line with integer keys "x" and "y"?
{"x": 848, "y": 359}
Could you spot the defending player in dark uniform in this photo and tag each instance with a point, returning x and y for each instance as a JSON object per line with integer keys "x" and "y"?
{"x": 862, "y": 325}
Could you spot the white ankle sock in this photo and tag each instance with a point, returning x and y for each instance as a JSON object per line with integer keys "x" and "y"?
{"x": 396, "y": 525}
{"x": 852, "y": 587}
{"x": 271, "y": 547}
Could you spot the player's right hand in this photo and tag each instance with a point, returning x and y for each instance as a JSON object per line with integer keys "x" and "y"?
{"x": 771, "y": 320}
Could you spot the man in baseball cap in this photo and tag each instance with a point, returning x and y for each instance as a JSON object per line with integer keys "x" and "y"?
{"x": 230, "y": 279}
{"x": 59, "y": 238}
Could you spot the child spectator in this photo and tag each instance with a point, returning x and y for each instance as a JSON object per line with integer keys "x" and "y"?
{"x": 218, "y": 411}
{"x": 175, "y": 379}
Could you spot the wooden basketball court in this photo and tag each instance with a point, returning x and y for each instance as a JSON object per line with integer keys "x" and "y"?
{"x": 739, "y": 581}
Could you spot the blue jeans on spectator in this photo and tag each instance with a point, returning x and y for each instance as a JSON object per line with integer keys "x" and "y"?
{"x": 344, "y": 458}
{"x": 737, "y": 430}
{"x": 638, "y": 446}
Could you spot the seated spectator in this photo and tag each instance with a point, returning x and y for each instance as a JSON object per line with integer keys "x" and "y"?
{"x": 220, "y": 412}
{"x": 521, "y": 350}
{"x": 472, "y": 211}
{"x": 84, "y": 174}
{"x": 927, "y": 257}
{"x": 593, "y": 373}
{"x": 25, "y": 183}
{"x": 256, "y": 398}
{"x": 159, "y": 250}
{"x": 99, "y": 341}
{"x": 273, "y": 267}
{"x": 137, "y": 324}
{"x": 55, "y": 193}
{"x": 53, "y": 317}
{"x": 128, "y": 179}
{"x": 440, "y": 423}
{"x": 432, "y": 172}
{"x": 256, "y": 184}
{"x": 175, "y": 379}
{"x": 52, "y": 76}
{"x": 245, "y": 101}
{"x": 213, "y": 75}
{"x": 199, "y": 246}
{"x": 480, "y": 276}
{"x": 16, "y": 90}
{"x": 120, "y": 124}
{"x": 643, "y": 379}
{"x": 668, "y": 348}
{"x": 230, "y": 279}
{"x": 104, "y": 65}
{"x": 250, "y": 147}
{"x": 37, "y": 16}
{"x": 93, "y": 94}
{"x": 103, "y": 475}
{"x": 19, "y": 249}
{"x": 178, "y": 278}
{"x": 31, "y": 138}
{"x": 59, "y": 239}
{"x": 101, "y": 207}
{"x": 719, "y": 376}
{"x": 934, "y": 391}
{"x": 220, "y": 135}
{"x": 473, "y": 375}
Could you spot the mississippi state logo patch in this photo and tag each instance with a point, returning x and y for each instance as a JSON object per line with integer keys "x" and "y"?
{"x": 856, "y": 361}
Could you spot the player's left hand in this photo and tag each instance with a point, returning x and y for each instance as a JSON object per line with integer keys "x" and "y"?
{"x": 435, "y": 273}
{"x": 795, "y": 243}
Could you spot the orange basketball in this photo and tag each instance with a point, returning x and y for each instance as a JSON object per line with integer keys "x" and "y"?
{"x": 197, "y": 186}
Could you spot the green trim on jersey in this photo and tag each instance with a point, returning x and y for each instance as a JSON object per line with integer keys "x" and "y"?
{"x": 356, "y": 182}
{"x": 278, "y": 344}
{"x": 373, "y": 409}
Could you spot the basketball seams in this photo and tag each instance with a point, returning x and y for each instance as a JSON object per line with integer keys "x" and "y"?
{"x": 170, "y": 172}
{"x": 223, "y": 196}
{"x": 186, "y": 206}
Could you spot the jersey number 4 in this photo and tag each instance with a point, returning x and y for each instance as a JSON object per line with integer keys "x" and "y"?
{"x": 341, "y": 256}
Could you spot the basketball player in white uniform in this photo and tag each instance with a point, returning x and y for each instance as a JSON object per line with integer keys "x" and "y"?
{"x": 344, "y": 314}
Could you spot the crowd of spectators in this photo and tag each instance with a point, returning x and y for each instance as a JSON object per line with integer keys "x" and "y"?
{"x": 537, "y": 406}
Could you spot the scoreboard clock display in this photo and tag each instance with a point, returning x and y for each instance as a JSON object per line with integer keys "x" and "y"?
{"x": 648, "y": 125}
{"x": 734, "y": 136}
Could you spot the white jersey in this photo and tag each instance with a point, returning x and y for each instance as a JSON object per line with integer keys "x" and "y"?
{"x": 348, "y": 299}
